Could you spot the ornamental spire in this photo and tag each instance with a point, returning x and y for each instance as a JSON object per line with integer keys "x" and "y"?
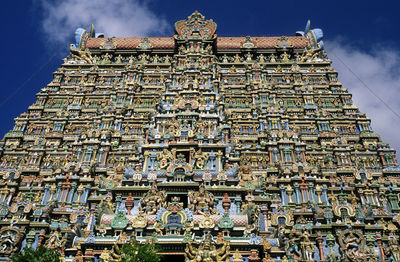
{"x": 195, "y": 27}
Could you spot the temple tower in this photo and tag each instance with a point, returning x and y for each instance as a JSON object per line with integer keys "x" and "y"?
{"x": 215, "y": 148}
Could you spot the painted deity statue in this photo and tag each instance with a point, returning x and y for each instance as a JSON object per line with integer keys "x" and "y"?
{"x": 206, "y": 251}
{"x": 201, "y": 200}
{"x": 153, "y": 200}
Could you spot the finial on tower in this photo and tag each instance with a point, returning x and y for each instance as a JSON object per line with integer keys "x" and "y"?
{"x": 195, "y": 27}
{"x": 314, "y": 36}
{"x": 82, "y": 35}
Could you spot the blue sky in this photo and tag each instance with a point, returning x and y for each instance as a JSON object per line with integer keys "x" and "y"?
{"x": 364, "y": 34}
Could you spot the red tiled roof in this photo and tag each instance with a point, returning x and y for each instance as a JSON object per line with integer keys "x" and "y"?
{"x": 222, "y": 42}
{"x": 260, "y": 42}
{"x": 133, "y": 42}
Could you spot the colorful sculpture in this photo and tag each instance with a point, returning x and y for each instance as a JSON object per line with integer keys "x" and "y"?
{"x": 202, "y": 145}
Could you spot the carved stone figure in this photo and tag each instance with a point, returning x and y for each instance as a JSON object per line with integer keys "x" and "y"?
{"x": 153, "y": 200}
{"x": 201, "y": 200}
{"x": 55, "y": 241}
{"x": 83, "y": 55}
{"x": 164, "y": 158}
{"x": 182, "y": 140}
{"x": 200, "y": 158}
{"x": 206, "y": 251}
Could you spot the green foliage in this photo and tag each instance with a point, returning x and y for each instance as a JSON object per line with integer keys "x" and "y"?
{"x": 136, "y": 252}
{"x": 41, "y": 254}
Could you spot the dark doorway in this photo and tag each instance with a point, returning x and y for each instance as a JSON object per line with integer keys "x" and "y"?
{"x": 173, "y": 258}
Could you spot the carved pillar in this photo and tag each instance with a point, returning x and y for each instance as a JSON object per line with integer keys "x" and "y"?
{"x": 79, "y": 191}
{"x": 283, "y": 195}
{"x": 379, "y": 240}
{"x": 318, "y": 191}
{"x": 264, "y": 210}
{"x": 52, "y": 193}
{"x": 146, "y": 157}
{"x": 105, "y": 156}
{"x": 376, "y": 200}
{"x": 303, "y": 190}
{"x": 297, "y": 193}
{"x": 270, "y": 156}
{"x": 65, "y": 192}
{"x": 41, "y": 238}
{"x": 90, "y": 224}
{"x": 289, "y": 192}
{"x": 383, "y": 160}
{"x": 3, "y": 194}
{"x": 86, "y": 194}
{"x": 361, "y": 193}
{"x": 58, "y": 192}
{"x": 71, "y": 193}
{"x": 393, "y": 200}
{"x": 238, "y": 202}
{"x": 311, "y": 192}
{"x": 45, "y": 195}
{"x": 325, "y": 194}
{"x": 320, "y": 239}
{"x": 219, "y": 155}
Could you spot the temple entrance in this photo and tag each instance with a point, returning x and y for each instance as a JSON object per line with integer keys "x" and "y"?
{"x": 179, "y": 175}
{"x": 173, "y": 258}
{"x": 179, "y": 172}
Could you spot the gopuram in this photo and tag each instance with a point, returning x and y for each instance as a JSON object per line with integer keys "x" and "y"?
{"x": 214, "y": 148}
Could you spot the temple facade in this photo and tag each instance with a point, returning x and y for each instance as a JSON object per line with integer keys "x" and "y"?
{"x": 214, "y": 148}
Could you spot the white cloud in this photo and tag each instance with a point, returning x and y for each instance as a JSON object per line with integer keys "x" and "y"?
{"x": 122, "y": 18}
{"x": 380, "y": 70}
